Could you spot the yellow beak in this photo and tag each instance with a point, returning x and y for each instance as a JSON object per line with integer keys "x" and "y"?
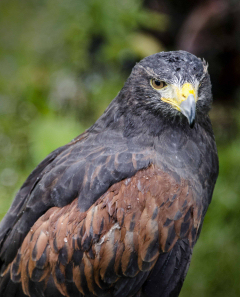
{"x": 184, "y": 100}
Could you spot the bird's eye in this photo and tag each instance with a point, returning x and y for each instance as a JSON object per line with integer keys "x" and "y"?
{"x": 157, "y": 84}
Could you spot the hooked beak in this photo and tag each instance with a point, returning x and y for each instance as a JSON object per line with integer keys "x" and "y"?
{"x": 184, "y": 100}
{"x": 188, "y": 108}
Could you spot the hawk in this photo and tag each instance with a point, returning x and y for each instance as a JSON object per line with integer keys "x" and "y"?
{"x": 118, "y": 210}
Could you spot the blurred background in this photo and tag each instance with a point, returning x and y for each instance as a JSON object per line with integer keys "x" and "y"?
{"x": 62, "y": 62}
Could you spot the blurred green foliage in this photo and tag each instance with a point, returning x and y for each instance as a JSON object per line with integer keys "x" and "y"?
{"x": 61, "y": 63}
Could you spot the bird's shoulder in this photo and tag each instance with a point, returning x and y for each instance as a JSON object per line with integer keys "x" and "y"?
{"x": 121, "y": 235}
{"x": 83, "y": 169}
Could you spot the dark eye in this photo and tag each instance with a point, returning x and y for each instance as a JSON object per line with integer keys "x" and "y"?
{"x": 157, "y": 84}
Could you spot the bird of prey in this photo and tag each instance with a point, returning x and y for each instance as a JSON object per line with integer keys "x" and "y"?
{"x": 118, "y": 210}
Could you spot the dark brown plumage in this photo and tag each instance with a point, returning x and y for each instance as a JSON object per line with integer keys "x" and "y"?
{"x": 118, "y": 210}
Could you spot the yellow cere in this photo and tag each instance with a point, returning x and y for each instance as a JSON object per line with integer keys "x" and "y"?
{"x": 180, "y": 95}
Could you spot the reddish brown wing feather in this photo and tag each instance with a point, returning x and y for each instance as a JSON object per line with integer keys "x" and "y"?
{"x": 119, "y": 236}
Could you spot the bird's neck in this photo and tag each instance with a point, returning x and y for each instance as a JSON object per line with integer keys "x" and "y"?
{"x": 135, "y": 121}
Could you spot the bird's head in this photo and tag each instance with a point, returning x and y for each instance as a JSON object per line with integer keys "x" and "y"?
{"x": 172, "y": 84}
